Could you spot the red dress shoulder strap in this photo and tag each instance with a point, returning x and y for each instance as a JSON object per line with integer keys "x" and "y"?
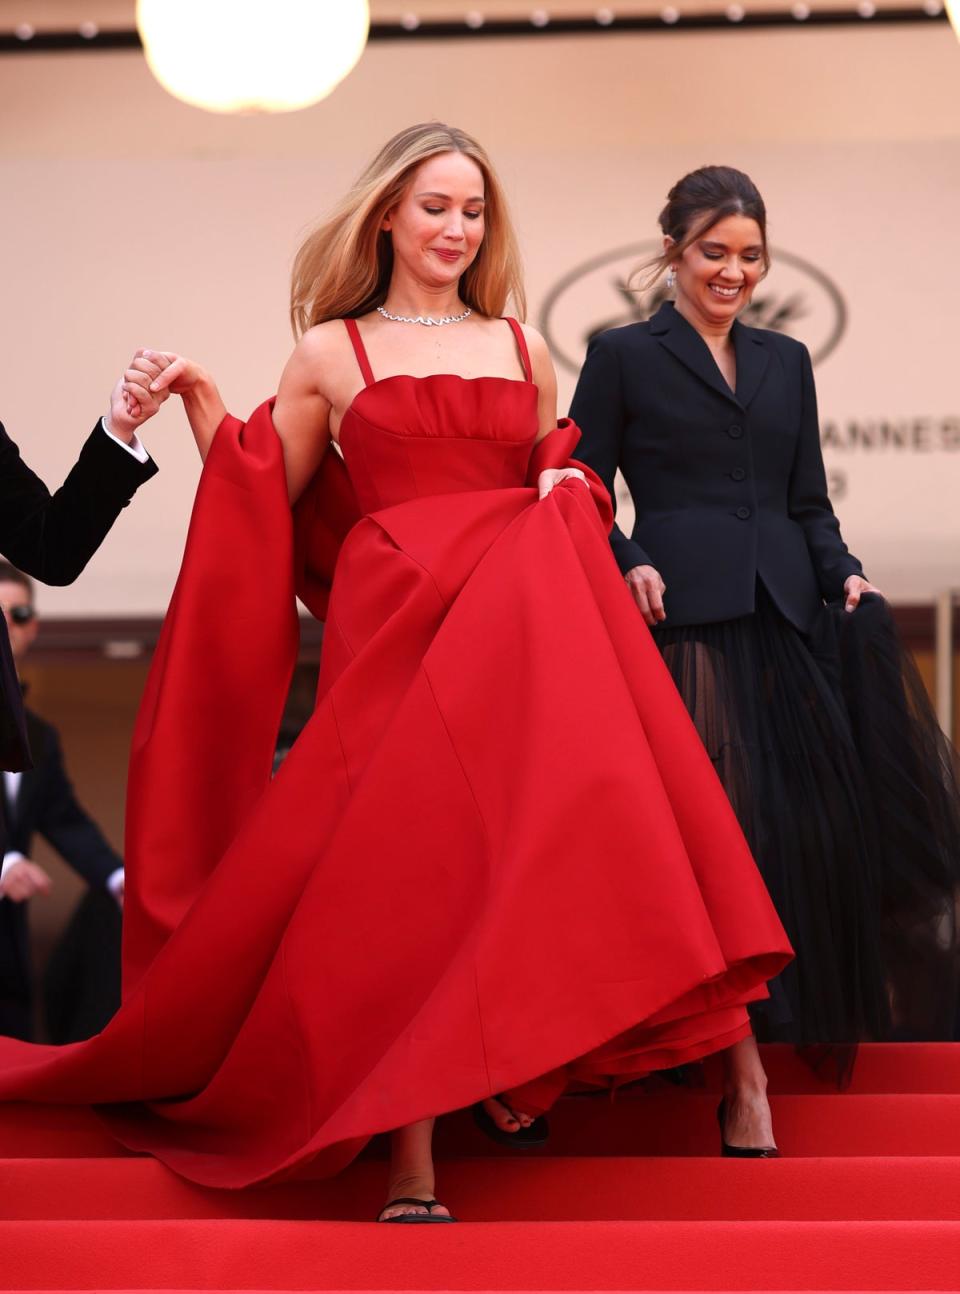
{"x": 522, "y": 348}
{"x": 353, "y": 332}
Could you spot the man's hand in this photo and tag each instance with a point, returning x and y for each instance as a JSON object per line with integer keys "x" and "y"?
{"x": 132, "y": 401}
{"x": 24, "y": 880}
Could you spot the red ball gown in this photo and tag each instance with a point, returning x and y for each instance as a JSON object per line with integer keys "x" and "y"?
{"x": 496, "y": 859}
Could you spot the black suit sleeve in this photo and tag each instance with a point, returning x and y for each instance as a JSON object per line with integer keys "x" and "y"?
{"x": 809, "y": 503}
{"x": 69, "y": 829}
{"x": 598, "y": 410}
{"x": 52, "y": 537}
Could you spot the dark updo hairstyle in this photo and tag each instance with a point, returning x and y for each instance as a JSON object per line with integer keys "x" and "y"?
{"x": 697, "y": 202}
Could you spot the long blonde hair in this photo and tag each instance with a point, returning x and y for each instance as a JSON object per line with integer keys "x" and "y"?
{"x": 343, "y": 268}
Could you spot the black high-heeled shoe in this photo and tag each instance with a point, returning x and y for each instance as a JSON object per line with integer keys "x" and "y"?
{"x": 526, "y": 1138}
{"x": 429, "y": 1216}
{"x": 741, "y": 1152}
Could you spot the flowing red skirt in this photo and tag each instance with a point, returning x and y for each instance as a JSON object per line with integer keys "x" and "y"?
{"x": 497, "y": 858}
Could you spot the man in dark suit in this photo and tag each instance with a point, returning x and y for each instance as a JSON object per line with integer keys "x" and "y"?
{"x": 39, "y": 799}
{"x": 52, "y": 537}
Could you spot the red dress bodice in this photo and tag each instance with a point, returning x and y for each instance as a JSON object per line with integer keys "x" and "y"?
{"x": 407, "y": 437}
{"x": 404, "y": 437}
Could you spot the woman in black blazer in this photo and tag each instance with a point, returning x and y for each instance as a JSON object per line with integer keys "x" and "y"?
{"x": 852, "y": 813}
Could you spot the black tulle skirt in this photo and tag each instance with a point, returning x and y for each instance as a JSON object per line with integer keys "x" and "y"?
{"x": 847, "y": 791}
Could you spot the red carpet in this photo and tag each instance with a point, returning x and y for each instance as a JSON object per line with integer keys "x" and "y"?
{"x": 631, "y": 1196}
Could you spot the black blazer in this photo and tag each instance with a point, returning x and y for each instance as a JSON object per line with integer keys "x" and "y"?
{"x": 728, "y": 488}
{"x": 46, "y": 804}
{"x": 52, "y": 538}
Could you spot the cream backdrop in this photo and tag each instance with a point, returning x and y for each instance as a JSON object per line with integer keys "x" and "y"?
{"x": 129, "y": 219}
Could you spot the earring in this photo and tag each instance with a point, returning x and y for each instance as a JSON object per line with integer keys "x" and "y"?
{"x": 671, "y": 278}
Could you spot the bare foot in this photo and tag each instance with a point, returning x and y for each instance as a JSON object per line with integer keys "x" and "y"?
{"x": 507, "y": 1120}
{"x": 748, "y": 1122}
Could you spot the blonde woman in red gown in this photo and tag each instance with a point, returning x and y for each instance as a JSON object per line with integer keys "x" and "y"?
{"x": 497, "y": 862}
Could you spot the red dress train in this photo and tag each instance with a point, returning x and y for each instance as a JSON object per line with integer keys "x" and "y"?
{"x": 497, "y": 858}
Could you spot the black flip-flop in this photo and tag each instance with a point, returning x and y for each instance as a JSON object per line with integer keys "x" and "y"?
{"x": 526, "y": 1138}
{"x": 429, "y": 1216}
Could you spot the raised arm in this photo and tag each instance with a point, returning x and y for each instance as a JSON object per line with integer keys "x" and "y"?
{"x": 301, "y": 413}
{"x": 53, "y": 536}
{"x": 159, "y": 373}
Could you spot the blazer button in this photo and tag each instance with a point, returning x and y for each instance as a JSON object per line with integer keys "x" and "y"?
{"x": 738, "y": 474}
{"x": 736, "y": 431}
{"x": 743, "y": 513}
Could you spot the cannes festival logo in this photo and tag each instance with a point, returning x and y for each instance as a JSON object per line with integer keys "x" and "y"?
{"x": 795, "y": 298}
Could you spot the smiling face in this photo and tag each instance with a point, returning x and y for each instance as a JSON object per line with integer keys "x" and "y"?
{"x": 718, "y": 272}
{"x": 437, "y": 226}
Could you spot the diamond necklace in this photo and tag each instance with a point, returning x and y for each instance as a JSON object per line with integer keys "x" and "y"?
{"x": 427, "y": 320}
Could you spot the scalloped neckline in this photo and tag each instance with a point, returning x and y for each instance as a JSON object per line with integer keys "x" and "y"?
{"x": 426, "y": 377}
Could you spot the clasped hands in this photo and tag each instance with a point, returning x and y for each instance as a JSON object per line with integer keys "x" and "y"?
{"x": 152, "y": 377}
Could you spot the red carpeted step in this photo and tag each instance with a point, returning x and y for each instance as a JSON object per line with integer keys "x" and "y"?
{"x": 878, "y": 1068}
{"x": 867, "y": 1197}
{"x": 881, "y": 1068}
{"x": 489, "y": 1190}
{"x": 683, "y": 1122}
{"x": 53, "y": 1131}
{"x": 665, "y": 1121}
{"x": 502, "y": 1256}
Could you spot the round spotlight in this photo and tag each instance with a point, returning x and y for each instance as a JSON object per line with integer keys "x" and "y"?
{"x": 249, "y": 56}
